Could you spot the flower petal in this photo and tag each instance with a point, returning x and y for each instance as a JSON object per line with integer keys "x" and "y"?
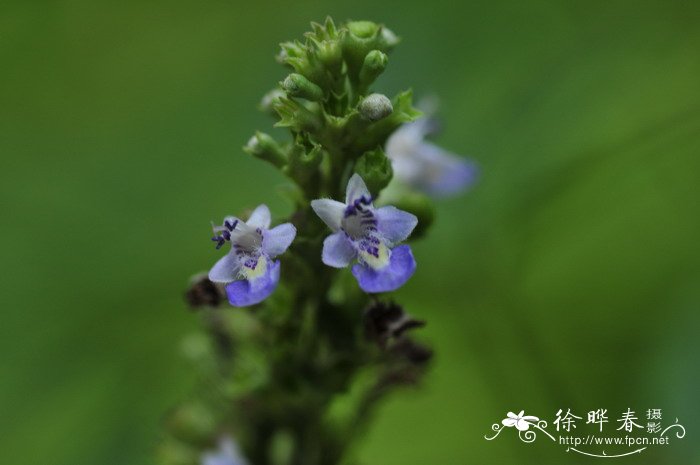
{"x": 246, "y": 292}
{"x": 277, "y": 240}
{"x": 401, "y": 266}
{"x": 330, "y": 211}
{"x": 443, "y": 173}
{"x": 406, "y": 137}
{"x": 522, "y": 425}
{"x": 395, "y": 225}
{"x": 260, "y": 218}
{"x": 530, "y": 418}
{"x": 509, "y": 422}
{"x": 338, "y": 251}
{"x": 512, "y": 415}
{"x": 226, "y": 269}
{"x": 356, "y": 189}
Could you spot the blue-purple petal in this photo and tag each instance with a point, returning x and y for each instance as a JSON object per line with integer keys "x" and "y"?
{"x": 394, "y": 225}
{"x": 278, "y": 239}
{"x": 338, "y": 251}
{"x": 446, "y": 173}
{"x": 401, "y": 267}
{"x": 245, "y": 292}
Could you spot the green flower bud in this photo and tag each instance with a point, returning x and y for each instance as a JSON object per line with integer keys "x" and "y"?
{"x": 377, "y": 133}
{"x": 297, "y": 85}
{"x": 263, "y": 146}
{"x": 330, "y": 54}
{"x": 375, "y": 107}
{"x": 357, "y": 43}
{"x": 375, "y": 169}
{"x": 363, "y": 29}
{"x": 374, "y": 65}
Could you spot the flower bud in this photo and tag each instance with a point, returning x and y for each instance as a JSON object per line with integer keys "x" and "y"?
{"x": 375, "y": 107}
{"x": 363, "y": 29}
{"x": 297, "y": 85}
{"x": 330, "y": 54}
{"x": 263, "y": 146}
{"x": 374, "y": 65}
{"x": 375, "y": 169}
{"x": 360, "y": 40}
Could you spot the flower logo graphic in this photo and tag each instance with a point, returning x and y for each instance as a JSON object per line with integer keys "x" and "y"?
{"x": 520, "y": 421}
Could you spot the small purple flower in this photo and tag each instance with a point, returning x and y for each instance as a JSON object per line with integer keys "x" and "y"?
{"x": 226, "y": 454}
{"x": 248, "y": 270}
{"x": 425, "y": 166}
{"x": 369, "y": 235}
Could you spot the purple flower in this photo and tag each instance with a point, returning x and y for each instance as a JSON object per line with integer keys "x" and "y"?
{"x": 227, "y": 454}
{"x": 369, "y": 235}
{"x": 248, "y": 270}
{"x": 425, "y": 166}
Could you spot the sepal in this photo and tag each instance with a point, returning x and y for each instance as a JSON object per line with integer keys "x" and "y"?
{"x": 375, "y": 169}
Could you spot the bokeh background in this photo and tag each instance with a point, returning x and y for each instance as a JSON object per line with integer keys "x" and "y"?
{"x": 568, "y": 278}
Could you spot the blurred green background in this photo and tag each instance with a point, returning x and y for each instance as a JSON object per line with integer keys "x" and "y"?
{"x": 569, "y": 278}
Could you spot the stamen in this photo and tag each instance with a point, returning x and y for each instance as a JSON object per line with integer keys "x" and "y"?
{"x": 230, "y": 225}
{"x": 220, "y": 241}
{"x": 225, "y": 230}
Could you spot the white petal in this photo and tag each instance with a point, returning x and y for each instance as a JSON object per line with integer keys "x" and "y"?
{"x": 512, "y": 415}
{"x": 522, "y": 425}
{"x": 509, "y": 422}
{"x": 356, "y": 189}
{"x": 330, "y": 211}
{"x": 226, "y": 269}
{"x": 260, "y": 218}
